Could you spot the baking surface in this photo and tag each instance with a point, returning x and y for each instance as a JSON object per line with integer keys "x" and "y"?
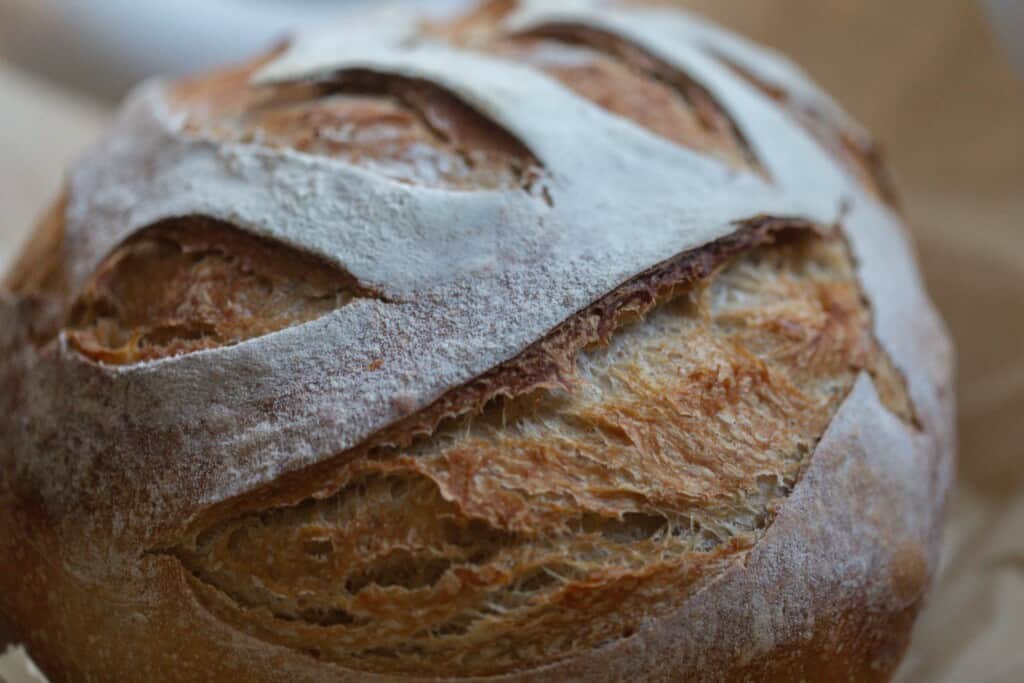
{"x": 927, "y": 78}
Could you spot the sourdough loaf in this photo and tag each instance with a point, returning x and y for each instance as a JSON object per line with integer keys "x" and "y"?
{"x": 551, "y": 341}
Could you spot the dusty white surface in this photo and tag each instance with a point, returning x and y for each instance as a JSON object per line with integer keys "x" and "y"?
{"x": 16, "y": 667}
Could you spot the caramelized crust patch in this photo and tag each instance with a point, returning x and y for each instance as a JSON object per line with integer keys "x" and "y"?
{"x": 195, "y": 283}
{"x": 612, "y": 73}
{"x": 629, "y": 82}
{"x": 547, "y": 524}
{"x": 405, "y": 129}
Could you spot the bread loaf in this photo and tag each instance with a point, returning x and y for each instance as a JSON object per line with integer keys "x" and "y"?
{"x": 552, "y": 341}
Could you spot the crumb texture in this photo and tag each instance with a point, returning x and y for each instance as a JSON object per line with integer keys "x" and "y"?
{"x": 192, "y": 284}
{"x": 559, "y": 520}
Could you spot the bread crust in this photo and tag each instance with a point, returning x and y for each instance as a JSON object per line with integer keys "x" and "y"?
{"x": 105, "y": 470}
{"x": 816, "y": 616}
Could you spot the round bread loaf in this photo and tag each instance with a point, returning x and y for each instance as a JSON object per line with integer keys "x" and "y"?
{"x": 553, "y": 341}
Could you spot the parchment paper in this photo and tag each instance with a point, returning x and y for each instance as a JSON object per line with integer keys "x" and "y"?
{"x": 929, "y": 79}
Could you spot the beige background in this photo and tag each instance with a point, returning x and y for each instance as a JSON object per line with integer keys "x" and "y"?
{"x": 928, "y": 78}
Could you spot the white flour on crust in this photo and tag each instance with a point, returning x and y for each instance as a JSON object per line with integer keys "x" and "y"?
{"x": 469, "y": 279}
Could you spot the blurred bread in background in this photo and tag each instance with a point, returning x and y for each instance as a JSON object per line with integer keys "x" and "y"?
{"x": 106, "y": 46}
{"x": 42, "y": 128}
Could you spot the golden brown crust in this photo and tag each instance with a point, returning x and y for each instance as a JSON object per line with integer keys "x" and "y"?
{"x": 457, "y": 526}
{"x": 614, "y": 74}
{"x": 408, "y": 130}
{"x": 475, "y": 528}
{"x": 178, "y": 641}
{"x": 557, "y": 521}
{"x": 194, "y": 284}
{"x": 549, "y": 363}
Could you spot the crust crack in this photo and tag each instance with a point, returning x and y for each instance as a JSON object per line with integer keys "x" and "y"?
{"x": 195, "y": 283}
{"x": 712, "y": 130}
{"x": 589, "y": 486}
{"x": 409, "y": 130}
